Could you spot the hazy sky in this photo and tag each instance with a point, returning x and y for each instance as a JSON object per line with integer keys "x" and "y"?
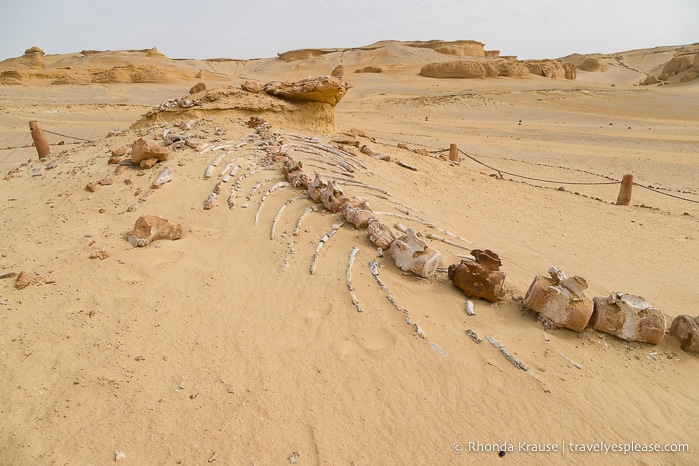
{"x": 262, "y": 28}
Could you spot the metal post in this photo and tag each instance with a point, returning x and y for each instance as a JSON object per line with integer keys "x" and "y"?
{"x": 42, "y": 147}
{"x": 624, "y": 197}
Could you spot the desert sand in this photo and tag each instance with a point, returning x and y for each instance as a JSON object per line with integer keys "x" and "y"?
{"x": 221, "y": 347}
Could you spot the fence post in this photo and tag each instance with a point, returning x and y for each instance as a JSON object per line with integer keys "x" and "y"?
{"x": 624, "y": 197}
{"x": 42, "y": 147}
{"x": 453, "y": 153}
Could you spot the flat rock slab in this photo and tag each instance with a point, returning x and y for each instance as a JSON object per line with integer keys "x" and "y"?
{"x": 325, "y": 89}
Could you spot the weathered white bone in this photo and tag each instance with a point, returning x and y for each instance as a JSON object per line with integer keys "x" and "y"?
{"x": 446, "y": 241}
{"x": 358, "y": 217}
{"x": 226, "y": 178}
{"x": 281, "y": 210}
{"x": 406, "y": 217}
{"x": 350, "y": 263}
{"x": 322, "y": 242}
{"x": 257, "y": 186}
{"x": 380, "y": 234}
{"x": 414, "y": 255}
{"x": 164, "y": 177}
{"x": 280, "y": 185}
{"x": 210, "y": 201}
{"x": 517, "y": 363}
{"x": 308, "y": 210}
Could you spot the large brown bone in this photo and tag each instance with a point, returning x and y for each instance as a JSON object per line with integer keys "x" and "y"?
{"x": 686, "y": 330}
{"x": 380, "y": 234}
{"x": 356, "y": 215}
{"x": 479, "y": 278}
{"x": 332, "y": 197}
{"x": 628, "y": 317}
{"x": 560, "y": 300}
{"x": 414, "y": 255}
{"x": 293, "y": 173}
{"x": 149, "y": 228}
{"x": 315, "y": 186}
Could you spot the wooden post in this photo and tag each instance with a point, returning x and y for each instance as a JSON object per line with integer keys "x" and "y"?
{"x": 624, "y": 197}
{"x": 453, "y": 153}
{"x": 42, "y": 147}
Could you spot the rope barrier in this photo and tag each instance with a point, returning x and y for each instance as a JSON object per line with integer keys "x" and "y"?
{"x": 66, "y": 136}
{"x": 667, "y": 194}
{"x": 16, "y": 147}
{"x": 538, "y": 179}
{"x": 501, "y": 172}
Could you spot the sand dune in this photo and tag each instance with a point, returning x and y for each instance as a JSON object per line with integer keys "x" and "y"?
{"x": 222, "y": 347}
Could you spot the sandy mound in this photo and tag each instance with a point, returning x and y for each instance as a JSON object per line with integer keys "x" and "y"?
{"x": 235, "y": 103}
{"x": 101, "y": 67}
{"x": 666, "y": 65}
{"x": 476, "y": 69}
{"x": 459, "y": 48}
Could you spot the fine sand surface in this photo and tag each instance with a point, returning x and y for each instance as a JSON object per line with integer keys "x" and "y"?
{"x": 222, "y": 348}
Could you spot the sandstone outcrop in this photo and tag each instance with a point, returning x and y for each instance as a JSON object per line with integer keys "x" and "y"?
{"x": 479, "y": 278}
{"x": 251, "y": 86}
{"x": 454, "y": 69}
{"x": 512, "y": 69}
{"x": 132, "y": 74}
{"x": 369, "y": 69}
{"x": 325, "y": 89}
{"x": 474, "y": 69}
{"x": 459, "y": 48}
{"x": 149, "y": 228}
{"x": 628, "y": 317}
{"x": 154, "y": 53}
{"x": 548, "y": 68}
{"x": 235, "y": 102}
{"x": 199, "y": 87}
{"x": 143, "y": 150}
{"x": 679, "y": 64}
{"x": 33, "y": 58}
{"x": 302, "y": 54}
{"x": 571, "y": 71}
{"x": 693, "y": 72}
{"x": 338, "y": 72}
{"x": 591, "y": 64}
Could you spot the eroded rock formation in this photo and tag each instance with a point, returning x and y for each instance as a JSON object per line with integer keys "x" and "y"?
{"x": 143, "y": 150}
{"x": 325, "y": 89}
{"x": 474, "y": 69}
{"x": 548, "y": 68}
{"x": 33, "y": 58}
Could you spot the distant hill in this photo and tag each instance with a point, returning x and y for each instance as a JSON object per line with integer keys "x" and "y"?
{"x": 458, "y": 59}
